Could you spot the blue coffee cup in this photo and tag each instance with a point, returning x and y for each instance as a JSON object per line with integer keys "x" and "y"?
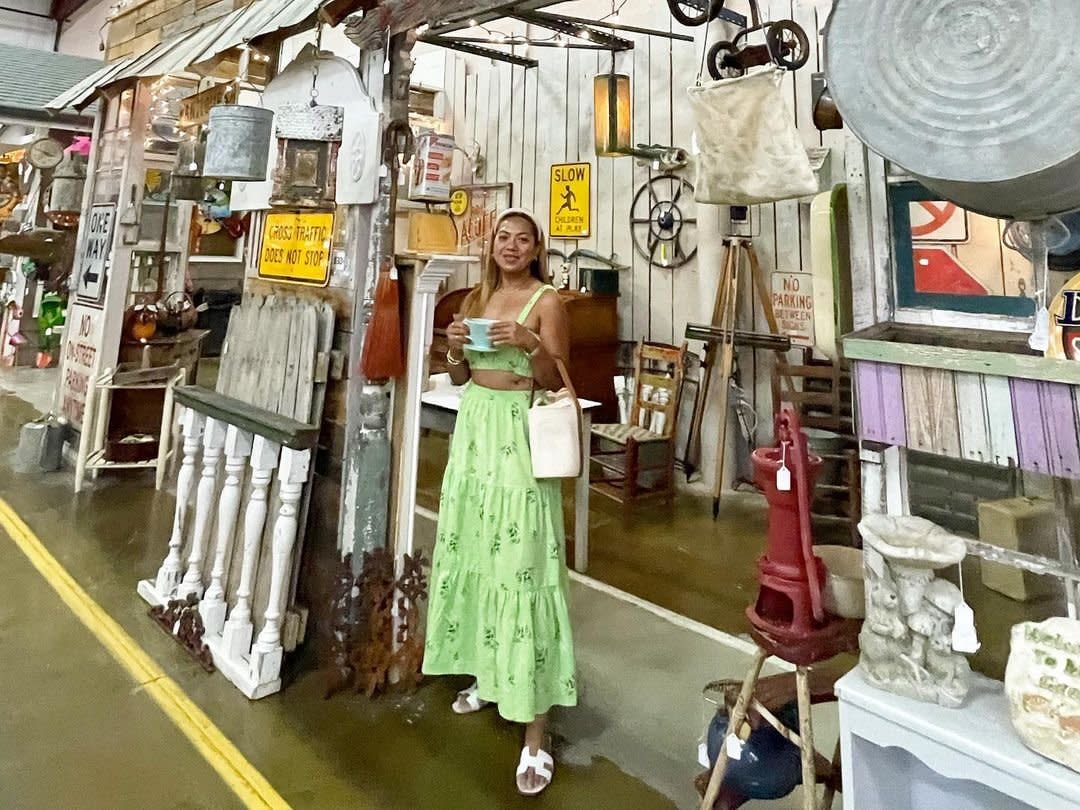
{"x": 478, "y": 332}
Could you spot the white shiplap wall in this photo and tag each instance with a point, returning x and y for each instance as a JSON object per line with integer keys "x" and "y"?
{"x": 526, "y": 120}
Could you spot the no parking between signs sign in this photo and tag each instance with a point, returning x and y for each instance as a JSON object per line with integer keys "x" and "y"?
{"x": 91, "y": 272}
{"x": 793, "y": 304}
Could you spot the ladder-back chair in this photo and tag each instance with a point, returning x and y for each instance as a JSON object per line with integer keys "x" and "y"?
{"x": 642, "y": 463}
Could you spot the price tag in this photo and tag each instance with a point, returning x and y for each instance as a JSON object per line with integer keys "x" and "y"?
{"x": 734, "y": 747}
{"x": 783, "y": 475}
{"x": 1040, "y": 337}
{"x": 964, "y": 637}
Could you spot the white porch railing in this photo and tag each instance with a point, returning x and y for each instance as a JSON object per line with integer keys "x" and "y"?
{"x": 233, "y": 546}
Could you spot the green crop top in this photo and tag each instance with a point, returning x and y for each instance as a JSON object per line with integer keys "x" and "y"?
{"x": 507, "y": 358}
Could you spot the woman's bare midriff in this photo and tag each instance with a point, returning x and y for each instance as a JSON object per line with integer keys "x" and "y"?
{"x": 501, "y": 380}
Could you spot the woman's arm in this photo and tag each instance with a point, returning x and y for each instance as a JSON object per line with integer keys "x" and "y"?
{"x": 457, "y": 333}
{"x": 554, "y": 334}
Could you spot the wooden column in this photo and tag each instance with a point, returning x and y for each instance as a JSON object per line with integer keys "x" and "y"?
{"x": 421, "y": 323}
{"x": 237, "y": 449}
{"x": 168, "y": 576}
{"x": 238, "y": 629}
{"x": 267, "y": 653}
{"x": 213, "y": 444}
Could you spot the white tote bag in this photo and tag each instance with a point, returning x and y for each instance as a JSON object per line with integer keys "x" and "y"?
{"x": 751, "y": 151}
{"x": 555, "y": 432}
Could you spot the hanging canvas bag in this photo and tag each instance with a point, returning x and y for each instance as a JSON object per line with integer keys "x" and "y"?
{"x": 555, "y": 432}
{"x": 750, "y": 151}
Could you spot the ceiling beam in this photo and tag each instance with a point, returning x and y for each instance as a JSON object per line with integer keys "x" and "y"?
{"x": 554, "y": 22}
{"x": 490, "y": 14}
{"x": 467, "y": 46}
{"x": 61, "y": 10}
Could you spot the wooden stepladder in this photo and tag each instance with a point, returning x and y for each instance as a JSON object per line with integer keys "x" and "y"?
{"x": 739, "y": 254}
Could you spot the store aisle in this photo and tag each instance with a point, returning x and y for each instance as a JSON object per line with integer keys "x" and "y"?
{"x": 76, "y": 731}
{"x": 402, "y": 751}
{"x": 630, "y": 744}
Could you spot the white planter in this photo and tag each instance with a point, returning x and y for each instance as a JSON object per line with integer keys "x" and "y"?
{"x": 1042, "y": 682}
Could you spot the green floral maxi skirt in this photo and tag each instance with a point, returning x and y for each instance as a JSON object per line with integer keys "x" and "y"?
{"x": 498, "y": 606}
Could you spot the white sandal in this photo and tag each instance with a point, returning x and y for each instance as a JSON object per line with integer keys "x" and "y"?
{"x": 470, "y": 699}
{"x": 541, "y": 764}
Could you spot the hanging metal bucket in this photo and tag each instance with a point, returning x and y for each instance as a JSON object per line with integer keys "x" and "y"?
{"x": 977, "y": 100}
{"x": 238, "y": 142}
{"x": 67, "y": 185}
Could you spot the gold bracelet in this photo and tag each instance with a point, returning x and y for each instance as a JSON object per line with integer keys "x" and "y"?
{"x": 452, "y": 361}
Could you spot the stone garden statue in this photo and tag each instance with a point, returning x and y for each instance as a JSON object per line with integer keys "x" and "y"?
{"x": 906, "y": 641}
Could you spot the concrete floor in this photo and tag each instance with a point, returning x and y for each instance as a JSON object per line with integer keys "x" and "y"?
{"x": 630, "y": 744}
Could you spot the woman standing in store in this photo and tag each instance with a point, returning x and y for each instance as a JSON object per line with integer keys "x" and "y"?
{"x": 499, "y": 585}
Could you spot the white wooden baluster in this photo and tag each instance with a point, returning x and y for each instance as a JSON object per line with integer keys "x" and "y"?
{"x": 168, "y": 576}
{"x": 237, "y": 449}
{"x": 267, "y": 652}
{"x": 238, "y": 629}
{"x": 213, "y": 443}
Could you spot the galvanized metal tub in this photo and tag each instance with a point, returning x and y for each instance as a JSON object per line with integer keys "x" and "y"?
{"x": 975, "y": 98}
{"x": 238, "y": 142}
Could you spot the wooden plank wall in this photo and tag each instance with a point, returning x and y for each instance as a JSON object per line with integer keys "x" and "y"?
{"x": 982, "y": 418}
{"x": 526, "y": 120}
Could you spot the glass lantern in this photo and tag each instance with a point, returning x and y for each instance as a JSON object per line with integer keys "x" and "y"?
{"x": 308, "y": 139}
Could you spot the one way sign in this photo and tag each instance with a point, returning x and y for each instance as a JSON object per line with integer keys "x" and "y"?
{"x": 92, "y": 266}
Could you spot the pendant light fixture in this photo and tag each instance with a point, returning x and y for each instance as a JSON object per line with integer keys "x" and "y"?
{"x": 612, "y": 113}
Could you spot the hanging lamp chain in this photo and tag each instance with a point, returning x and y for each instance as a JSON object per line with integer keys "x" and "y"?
{"x": 315, "y": 67}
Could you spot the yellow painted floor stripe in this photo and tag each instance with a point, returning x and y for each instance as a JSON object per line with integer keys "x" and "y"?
{"x": 224, "y": 757}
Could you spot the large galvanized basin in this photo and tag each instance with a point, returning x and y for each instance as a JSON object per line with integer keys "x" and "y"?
{"x": 975, "y": 98}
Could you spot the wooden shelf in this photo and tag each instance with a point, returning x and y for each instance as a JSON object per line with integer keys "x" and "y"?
{"x": 97, "y": 461}
{"x": 972, "y": 351}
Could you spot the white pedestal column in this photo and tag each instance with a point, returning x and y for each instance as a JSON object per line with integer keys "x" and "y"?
{"x": 421, "y": 325}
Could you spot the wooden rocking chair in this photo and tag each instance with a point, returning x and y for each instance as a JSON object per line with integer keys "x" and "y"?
{"x": 641, "y": 453}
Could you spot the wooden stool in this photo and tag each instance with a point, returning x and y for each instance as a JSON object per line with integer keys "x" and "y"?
{"x": 812, "y": 761}
{"x": 837, "y": 636}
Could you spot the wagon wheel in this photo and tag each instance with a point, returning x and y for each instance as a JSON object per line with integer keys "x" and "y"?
{"x": 788, "y": 44}
{"x": 663, "y": 221}
{"x": 720, "y": 61}
{"x": 694, "y": 12}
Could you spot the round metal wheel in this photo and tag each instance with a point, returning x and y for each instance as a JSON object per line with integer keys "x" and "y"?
{"x": 788, "y": 44}
{"x": 718, "y": 62}
{"x": 692, "y": 14}
{"x": 663, "y": 221}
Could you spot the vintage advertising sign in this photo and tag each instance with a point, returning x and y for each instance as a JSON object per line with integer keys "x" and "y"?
{"x": 432, "y": 165}
{"x": 475, "y": 209}
{"x": 296, "y": 248}
{"x": 571, "y": 200}
{"x": 1065, "y": 322}
{"x": 793, "y": 304}
{"x": 459, "y": 202}
{"x": 195, "y": 110}
{"x": 91, "y": 269}
{"x": 84, "y": 335}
